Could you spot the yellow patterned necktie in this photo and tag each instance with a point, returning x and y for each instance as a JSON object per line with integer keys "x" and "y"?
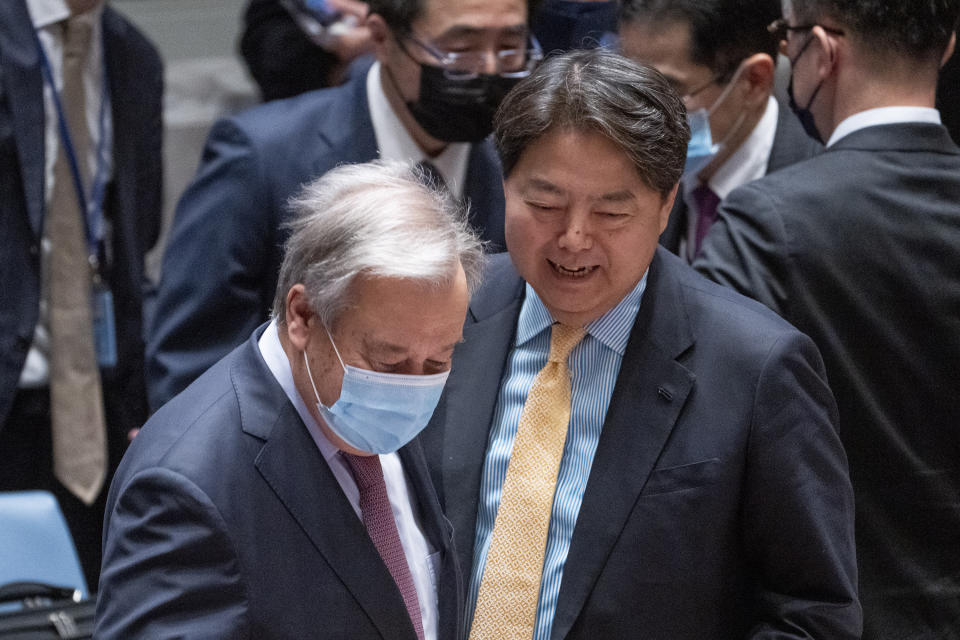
{"x": 507, "y": 600}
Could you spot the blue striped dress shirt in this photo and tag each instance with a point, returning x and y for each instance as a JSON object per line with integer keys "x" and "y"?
{"x": 594, "y": 365}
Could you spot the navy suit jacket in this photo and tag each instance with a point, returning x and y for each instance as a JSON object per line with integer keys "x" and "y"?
{"x": 224, "y": 521}
{"x": 132, "y": 205}
{"x": 718, "y": 504}
{"x": 858, "y": 248}
{"x": 221, "y": 263}
{"x": 790, "y": 144}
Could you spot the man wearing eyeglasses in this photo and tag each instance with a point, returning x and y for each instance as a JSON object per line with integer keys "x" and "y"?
{"x": 858, "y": 248}
{"x": 720, "y": 57}
{"x": 442, "y": 67}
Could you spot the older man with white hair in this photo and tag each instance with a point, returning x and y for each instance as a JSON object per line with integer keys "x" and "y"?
{"x": 285, "y": 493}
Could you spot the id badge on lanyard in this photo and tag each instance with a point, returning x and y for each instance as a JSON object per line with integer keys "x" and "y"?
{"x": 101, "y": 298}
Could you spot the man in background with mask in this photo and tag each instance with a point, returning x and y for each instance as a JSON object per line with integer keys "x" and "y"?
{"x": 284, "y": 494}
{"x": 720, "y": 57}
{"x": 857, "y": 247}
{"x": 442, "y": 68}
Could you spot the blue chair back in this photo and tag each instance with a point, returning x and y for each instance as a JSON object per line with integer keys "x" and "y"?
{"x": 35, "y": 542}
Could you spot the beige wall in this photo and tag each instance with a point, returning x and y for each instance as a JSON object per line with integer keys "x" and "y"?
{"x": 204, "y": 80}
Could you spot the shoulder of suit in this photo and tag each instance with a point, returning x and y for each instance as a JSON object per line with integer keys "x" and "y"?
{"x": 501, "y": 287}
{"x": 708, "y": 304}
{"x": 299, "y": 116}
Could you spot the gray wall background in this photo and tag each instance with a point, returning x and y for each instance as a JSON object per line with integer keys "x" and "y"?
{"x": 205, "y": 79}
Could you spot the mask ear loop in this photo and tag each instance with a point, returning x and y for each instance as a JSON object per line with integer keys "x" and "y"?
{"x": 335, "y": 350}
{"x": 310, "y": 375}
{"x": 306, "y": 362}
{"x": 723, "y": 96}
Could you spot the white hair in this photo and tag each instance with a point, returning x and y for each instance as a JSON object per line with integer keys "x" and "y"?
{"x": 380, "y": 219}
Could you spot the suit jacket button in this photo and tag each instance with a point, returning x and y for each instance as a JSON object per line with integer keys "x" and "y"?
{"x": 34, "y": 249}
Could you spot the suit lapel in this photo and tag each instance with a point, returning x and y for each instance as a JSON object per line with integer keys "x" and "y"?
{"x": 439, "y": 532}
{"x": 457, "y": 435}
{"x": 292, "y": 466}
{"x": 22, "y": 82}
{"x": 346, "y": 128}
{"x": 650, "y": 391}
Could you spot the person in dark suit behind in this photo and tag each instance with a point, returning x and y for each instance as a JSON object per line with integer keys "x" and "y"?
{"x": 241, "y": 507}
{"x": 442, "y": 68}
{"x": 858, "y": 248}
{"x": 677, "y": 475}
{"x": 718, "y": 55}
{"x": 66, "y": 408}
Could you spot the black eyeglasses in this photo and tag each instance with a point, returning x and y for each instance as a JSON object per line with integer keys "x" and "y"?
{"x": 779, "y": 28}
{"x": 510, "y": 63}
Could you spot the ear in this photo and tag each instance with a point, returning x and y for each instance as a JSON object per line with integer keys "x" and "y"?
{"x": 827, "y": 49}
{"x": 950, "y": 48}
{"x": 299, "y": 317}
{"x": 758, "y": 72}
{"x": 667, "y": 207}
{"x": 381, "y": 35}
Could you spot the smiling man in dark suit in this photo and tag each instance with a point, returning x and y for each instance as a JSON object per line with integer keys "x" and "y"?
{"x": 624, "y": 448}
{"x": 718, "y": 55}
{"x": 858, "y": 248}
{"x": 284, "y": 494}
{"x": 442, "y": 68}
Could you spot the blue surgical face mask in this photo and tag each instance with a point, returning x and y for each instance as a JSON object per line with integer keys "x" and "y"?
{"x": 701, "y": 150}
{"x": 379, "y": 412}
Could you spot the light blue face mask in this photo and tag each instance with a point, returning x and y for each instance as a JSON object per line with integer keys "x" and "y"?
{"x": 701, "y": 149}
{"x": 379, "y": 412}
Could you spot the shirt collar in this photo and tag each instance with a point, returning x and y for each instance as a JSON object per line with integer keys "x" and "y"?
{"x": 45, "y": 13}
{"x": 749, "y": 161}
{"x": 612, "y": 329}
{"x": 276, "y": 359}
{"x": 883, "y": 115}
{"x": 395, "y": 142}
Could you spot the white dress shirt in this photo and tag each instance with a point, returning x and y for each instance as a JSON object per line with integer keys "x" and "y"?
{"x": 749, "y": 162}
{"x": 395, "y": 143}
{"x": 47, "y": 17}
{"x": 883, "y": 115}
{"x": 421, "y": 557}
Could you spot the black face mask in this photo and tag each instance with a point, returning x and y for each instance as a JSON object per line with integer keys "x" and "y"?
{"x": 804, "y": 115}
{"x": 458, "y": 110}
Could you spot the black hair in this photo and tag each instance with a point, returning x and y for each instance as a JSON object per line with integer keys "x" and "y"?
{"x": 631, "y": 104}
{"x": 722, "y": 32}
{"x": 918, "y": 29}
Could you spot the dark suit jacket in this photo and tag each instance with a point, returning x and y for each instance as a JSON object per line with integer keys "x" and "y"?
{"x": 718, "y": 504}
{"x": 132, "y": 205}
{"x": 790, "y": 145}
{"x": 224, "y": 521}
{"x": 220, "y": 266}
{"x": 858, "y": 249}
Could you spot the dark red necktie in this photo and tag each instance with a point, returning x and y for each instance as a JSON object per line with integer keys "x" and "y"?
{"x": 378, "y": 518}
{"x": 707, "y": 202}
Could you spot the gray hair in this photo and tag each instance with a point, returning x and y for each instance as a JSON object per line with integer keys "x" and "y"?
{"x": 380, "y": 219}
{"x": 631, "y": 104}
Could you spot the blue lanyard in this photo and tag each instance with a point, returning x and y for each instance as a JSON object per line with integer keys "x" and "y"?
{"x": 92, "y": 207}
